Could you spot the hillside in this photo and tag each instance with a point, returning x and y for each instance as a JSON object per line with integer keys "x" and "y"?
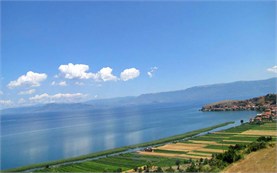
{"x": 260, "y": 161}
{"x": 257, "y": 103}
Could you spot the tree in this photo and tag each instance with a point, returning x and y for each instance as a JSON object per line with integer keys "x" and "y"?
{"x": 170, "y": 169}
{"x": 136, "y": 169}
{"x": 241, "y": 121}
{"x": 119, "y": 170}
{"x": 159, "y": 169}
{"x": 178, "y": 163}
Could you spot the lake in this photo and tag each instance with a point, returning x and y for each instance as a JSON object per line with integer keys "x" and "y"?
{"x": 39, "y": 137}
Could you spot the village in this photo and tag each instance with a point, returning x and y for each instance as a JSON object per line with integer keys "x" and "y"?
{"x": 268, "y": 115}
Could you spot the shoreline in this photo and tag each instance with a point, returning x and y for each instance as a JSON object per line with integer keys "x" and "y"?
{"x": 115, "y": 151}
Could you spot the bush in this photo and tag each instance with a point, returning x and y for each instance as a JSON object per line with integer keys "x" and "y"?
{"x": 264, "y": 139}
{"x": 170, "y": 169}
{"x": 192, "y": 168}
{"x": 254, "y": 146}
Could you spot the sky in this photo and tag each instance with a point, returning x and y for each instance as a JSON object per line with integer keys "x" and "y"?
{"x": 59, "y": 51}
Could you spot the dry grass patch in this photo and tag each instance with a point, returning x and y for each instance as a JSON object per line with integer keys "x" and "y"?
{"x": 209, "y": 142}
{"x": 260, "y": 132}
{"x": 183, "y": 156}
{"x": 210, "y": 150}
{"x": 260, "y": 161}
{"x": 181, "y": 147}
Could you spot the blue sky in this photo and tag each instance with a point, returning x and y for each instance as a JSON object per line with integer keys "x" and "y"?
{"x": 181, "y": 44}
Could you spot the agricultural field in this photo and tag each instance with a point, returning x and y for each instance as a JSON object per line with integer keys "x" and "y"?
{"x": 217, "y": 142}
{"x": 165, "y": 156}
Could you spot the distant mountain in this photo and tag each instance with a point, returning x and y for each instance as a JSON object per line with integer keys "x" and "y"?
{"x": 194, "y": 96}
{"x": 51, "y": 107}
{"x": 211, "y": 93}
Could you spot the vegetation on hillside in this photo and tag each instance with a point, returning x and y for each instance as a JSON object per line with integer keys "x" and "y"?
{"x": 257, "y": 103}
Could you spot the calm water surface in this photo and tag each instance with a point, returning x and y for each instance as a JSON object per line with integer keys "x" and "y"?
{"x": 40, "y": 137}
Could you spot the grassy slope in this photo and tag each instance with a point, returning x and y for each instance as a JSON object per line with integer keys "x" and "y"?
{"x": 260, "y": 161}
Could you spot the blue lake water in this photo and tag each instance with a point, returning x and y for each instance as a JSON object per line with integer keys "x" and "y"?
{"x": 33, "y": 138}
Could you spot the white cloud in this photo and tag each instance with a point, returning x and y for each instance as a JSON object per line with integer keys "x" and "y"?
{"x": 31, "y": 91}
{"x": 272, "y": 69}
{"x": 79, "y": 83}
{"x": 62, "y": 83}
{"x": 31, "y": 79}
{"x": 21, "y": 101}
{"x": 152, "y": 71}
{"x": 6, "y": 102}
{"x": 79, "y": 71}
{"x": 1, "y": 93}
{"x": 106, "y": 74}
{"x": 58, "y": 98}
{"x": 128, "y": 74}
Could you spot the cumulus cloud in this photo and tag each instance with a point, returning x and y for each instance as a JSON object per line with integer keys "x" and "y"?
{"x": 105, "y": 74}
{"x": 30, "y": 79}
{"x": 152, "y": 71}
{"x": 272, "y": 69}
{"x": 58, "y": 98}
{"x": 31, "y": 91}
{"x": 128, "y": 74}
{"x": 77, "y": 71}
{"x": 6, "y": 102}
{"x": 62, "y": 83}
{"x": 80, "y": 71}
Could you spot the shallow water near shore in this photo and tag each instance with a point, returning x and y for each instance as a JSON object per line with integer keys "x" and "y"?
{"x": 40, "y": 137}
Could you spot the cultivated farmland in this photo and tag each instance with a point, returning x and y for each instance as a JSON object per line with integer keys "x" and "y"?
{"x": 165, "y": 156}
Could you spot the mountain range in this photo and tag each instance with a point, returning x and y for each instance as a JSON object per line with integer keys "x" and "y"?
{"x": 194, "y": 96}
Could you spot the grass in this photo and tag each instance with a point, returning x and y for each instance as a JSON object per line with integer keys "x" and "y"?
{"x": 170, "y": 151}
{"x": 259, "y": 161}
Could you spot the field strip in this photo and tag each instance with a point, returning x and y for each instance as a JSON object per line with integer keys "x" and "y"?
{"x": 215, "y": 137}
{"x": 200, "y": 154}
{"x": 173, "y": 149}
{"x": 261, "y": 132}
{"x": 189, "y": 145}
{"x": 210, "y": 150}
{"x": 208, "y": 142}
{"x": 181, "y": 147}
{"x": 227, "y": 140}
{"x": 229, "y": 133}
{"x": 246, "y": 135}
{"x": 185, "y": 156}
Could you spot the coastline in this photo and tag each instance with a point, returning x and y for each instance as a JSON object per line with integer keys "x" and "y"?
{"x": 116, "y": 150}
